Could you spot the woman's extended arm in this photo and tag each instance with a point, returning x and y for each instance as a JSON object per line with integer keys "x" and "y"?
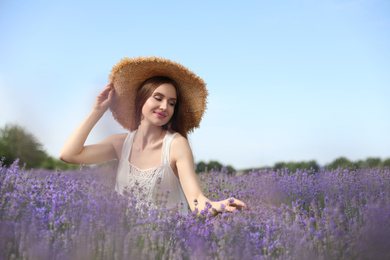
{"x": 185, "y": 166}
{"x": 74, "y": 150}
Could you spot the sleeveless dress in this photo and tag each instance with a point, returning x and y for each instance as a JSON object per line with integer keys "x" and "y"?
{"x": 155, "y": 185}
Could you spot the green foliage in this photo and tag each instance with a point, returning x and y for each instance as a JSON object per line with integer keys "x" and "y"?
{"x": 212, "y": 165}
{"x": 373, "y": 162}
{"x": 200, "y": 167}
{"x": 340, "y": 162}
{"x": 370, "y": 162}
{"x": 15, "y": 142}
{"x": 51, "y": 164}
{"x": 294, "y": 166}
{"x": 386, "y": 163}
{"x": 230, "y": 169}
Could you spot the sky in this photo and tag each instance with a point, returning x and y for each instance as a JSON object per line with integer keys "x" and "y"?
{"x": 288, "y": 80}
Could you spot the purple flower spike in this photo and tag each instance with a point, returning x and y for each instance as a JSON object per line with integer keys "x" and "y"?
{"x": 45, "y": 215}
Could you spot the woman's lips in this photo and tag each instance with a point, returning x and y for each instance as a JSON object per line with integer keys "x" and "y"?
{"x": 160, "y": 114}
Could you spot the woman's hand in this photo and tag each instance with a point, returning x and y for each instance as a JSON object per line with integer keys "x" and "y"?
{"x": 229, "y": 205}
{"x": 104, "y": 99}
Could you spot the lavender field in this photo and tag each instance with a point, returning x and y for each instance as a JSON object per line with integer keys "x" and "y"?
{"x": 329, "y": 214}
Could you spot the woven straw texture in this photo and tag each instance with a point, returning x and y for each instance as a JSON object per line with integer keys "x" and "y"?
{"x": 130, "y": 73}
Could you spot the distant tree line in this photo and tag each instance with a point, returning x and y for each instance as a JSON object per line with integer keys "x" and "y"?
{"x": 370, "y": 162}
{"x": 343, "y": 162}
{"x": 17, "y": 143}
{"x": 213, "y": 165}
{"x": 293, "y": 166}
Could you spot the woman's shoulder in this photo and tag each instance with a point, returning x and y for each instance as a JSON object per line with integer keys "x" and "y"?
{"x": 117, "y": 138}
{"x": 179, "y": 142}
{"x": 180, "y": 149}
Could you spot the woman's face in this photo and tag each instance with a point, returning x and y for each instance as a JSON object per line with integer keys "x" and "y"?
{"x": 160, "y": 106}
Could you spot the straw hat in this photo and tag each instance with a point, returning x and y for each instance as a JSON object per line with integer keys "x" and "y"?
{"x": 130, "y": 73}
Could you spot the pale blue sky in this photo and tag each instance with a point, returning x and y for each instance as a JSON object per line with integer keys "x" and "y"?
{"x": 288, "y": 80}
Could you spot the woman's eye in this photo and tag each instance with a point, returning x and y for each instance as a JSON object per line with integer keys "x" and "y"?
{"x": 172, "y": 104}
{"x": 158, "y": 98}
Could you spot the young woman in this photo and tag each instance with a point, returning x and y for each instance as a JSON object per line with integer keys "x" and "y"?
{"x": 159, "y": 101}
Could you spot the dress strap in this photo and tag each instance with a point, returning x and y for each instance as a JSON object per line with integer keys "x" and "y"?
{"x": 166, "y": 147}
{"x": 127, "y": 145}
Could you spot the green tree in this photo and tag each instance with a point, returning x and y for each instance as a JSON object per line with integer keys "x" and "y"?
{"x": 280, "y": 165}
{"x": 230, "y": 169}
{"x": 203, "y": 167}
{"x": 309, "y": 165}
{"x": 51, "y": 164}
{"x": 372, "y": 162}
{"x": 386, "y": 163}
{"x": 200, "y": 167}
{"x": 359, "y": 164}
{"x": 214, "y": 165}
{"x": 294, "y": 166}
{"x": 15, "y": 142}
{"x": 340, "y": 162}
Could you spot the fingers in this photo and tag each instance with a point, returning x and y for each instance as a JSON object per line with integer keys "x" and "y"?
{"x": 108, "y": 88}
{"x": 110, "y": 85}
{"x": 234, "y": 204}
{"x": 230, "y": 208}
{"x": 107, "y": 92}
{"x": 111, "y": 93}
{"x": 104, "y": 99}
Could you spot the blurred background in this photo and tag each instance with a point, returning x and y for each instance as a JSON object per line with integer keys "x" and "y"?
{"x": 288, "y": 81}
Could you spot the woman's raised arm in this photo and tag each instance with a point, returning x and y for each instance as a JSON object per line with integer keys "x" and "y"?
{"x": 74, "y": 150}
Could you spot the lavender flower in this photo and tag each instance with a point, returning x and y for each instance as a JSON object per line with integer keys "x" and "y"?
{"x": 337, "y": 214}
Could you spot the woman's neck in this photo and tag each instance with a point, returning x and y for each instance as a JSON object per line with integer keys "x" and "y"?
{"x": 148, "y": 134}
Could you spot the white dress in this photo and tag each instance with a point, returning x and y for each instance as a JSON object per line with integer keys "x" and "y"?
{"x": 154, "y": 184}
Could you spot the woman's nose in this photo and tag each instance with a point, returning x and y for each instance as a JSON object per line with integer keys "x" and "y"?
{"x": 163, "y": 105}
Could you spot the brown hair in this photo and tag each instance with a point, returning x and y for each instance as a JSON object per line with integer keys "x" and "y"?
{"x": 146, "y": 90}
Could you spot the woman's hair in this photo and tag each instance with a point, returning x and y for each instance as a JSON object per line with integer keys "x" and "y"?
{"x": 146, "y": 90}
